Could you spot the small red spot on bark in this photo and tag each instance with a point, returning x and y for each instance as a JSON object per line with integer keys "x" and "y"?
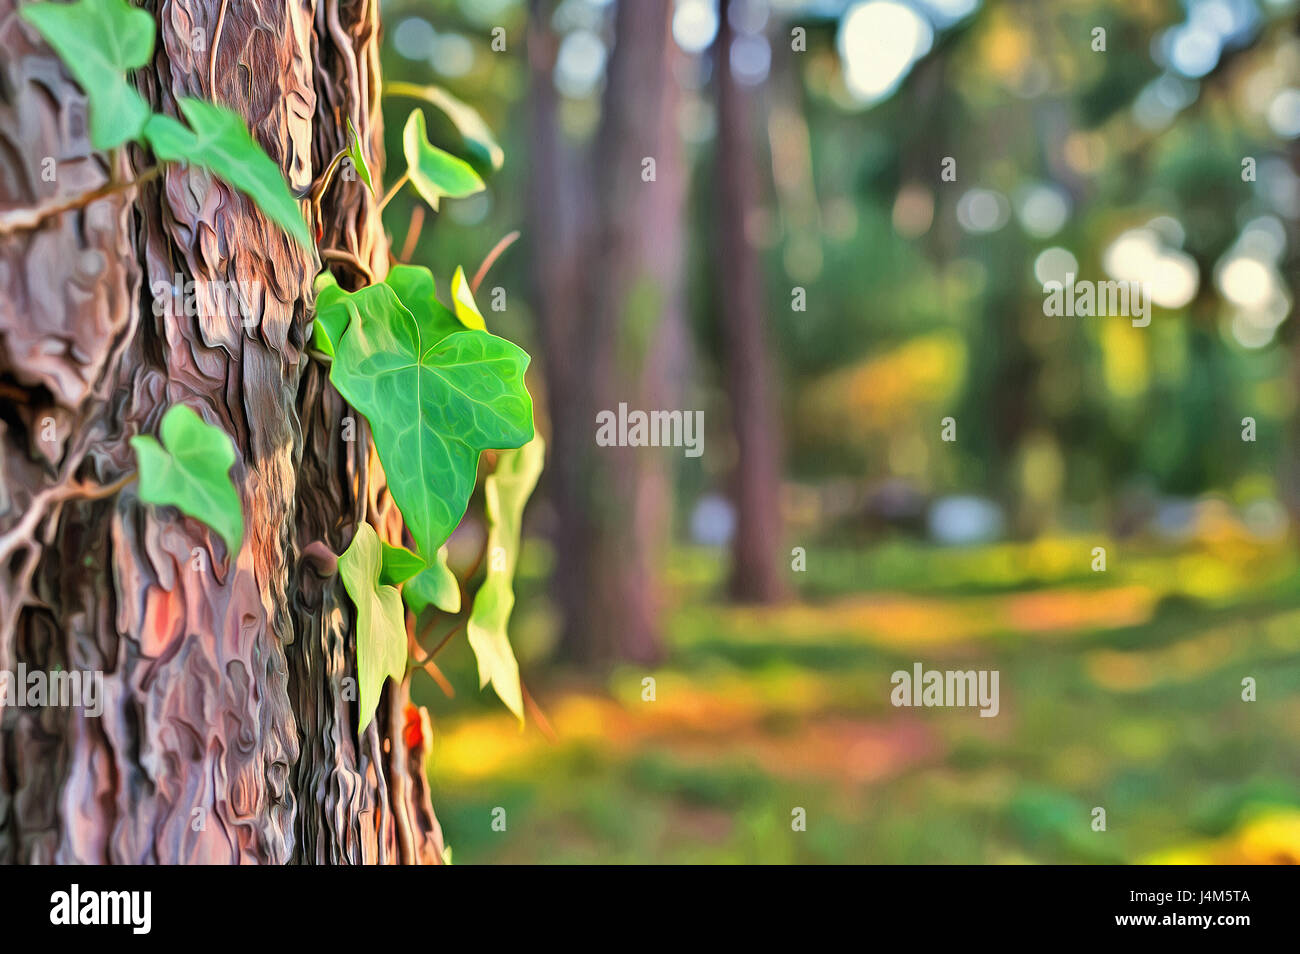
{"x": 412, "y": 734}
{"x": 164, "y": 616}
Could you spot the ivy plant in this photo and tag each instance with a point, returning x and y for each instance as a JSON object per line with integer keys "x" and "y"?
{"x": 358, "y": 158}
{"x": 474, "y": 133}
{"x": 434, "y": 586}
{"x": 436, "y": 387}
{"x": 381, "y": 628}
{"x": 190, "y": 470}
{"x": 433, "y": 172}
{"x": 436, "y": 394}
{"x": 99, "y": 41}
{"x": 218, "y": 140}
{"x": 505, "y": 492}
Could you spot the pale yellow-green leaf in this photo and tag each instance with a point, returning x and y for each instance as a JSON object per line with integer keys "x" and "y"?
{"x": 436, "y": 586}
{"x": 381, "y": 625}
{"x": 462, "y": 299}
{"x": 505, "y": 493}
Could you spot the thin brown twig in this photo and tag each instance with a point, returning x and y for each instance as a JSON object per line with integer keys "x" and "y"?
{"x": 212, "y": 59}
{"x": 436, "y": 674}
{"x": 538, "y": 716}
{"x": 417, "y": 651}
{"x": 100, "y": 491}
{"x": 478, "y": 562}
{"x": 445, "y": 640}
{"x": 16, "y": 220}
{"x": 413, "y": 233}
{"x": 342, "y": 255}
{"x": 388, "y": 196}
{"x": 317, "y": 190}
{"x": 491, "y": 258}
{"x": 426, "y": 662}
{"x": 40, "y": 504}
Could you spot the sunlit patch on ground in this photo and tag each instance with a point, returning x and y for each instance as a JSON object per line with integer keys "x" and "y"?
{"x": 1123, "y": 694}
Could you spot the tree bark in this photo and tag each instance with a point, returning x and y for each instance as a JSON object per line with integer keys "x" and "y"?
{"x": 227, "y": 734}
{"x": 756, "y": 480}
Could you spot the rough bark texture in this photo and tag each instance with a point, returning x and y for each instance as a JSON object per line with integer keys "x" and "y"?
{"x": 756, "y": 480}
{"x": 609, "y": 293}
{"x": 228, "y": 731}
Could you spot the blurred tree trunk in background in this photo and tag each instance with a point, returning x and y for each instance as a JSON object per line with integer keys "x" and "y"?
{"x": 228, "y": 726}
{"x": 751, "y": 384}
{"x": 608, "y": 290}
{"x": 1289, "y": 476}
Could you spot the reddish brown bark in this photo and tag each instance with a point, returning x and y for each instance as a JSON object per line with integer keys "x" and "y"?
{"x": 228, "y": 733}
{"x": 750, "y": 383}
{"x": 608, "y": 266}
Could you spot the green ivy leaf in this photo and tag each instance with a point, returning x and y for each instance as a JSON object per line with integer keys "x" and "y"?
{"x": 462, "y": 299}
{"x": 190, "y": 470}
{"x": 408, "y": 287}
{"x": 399, "y": 565}
{"x": 433, "y": 172}
{"x": 469, "y": 124}
{"x": 336, "y": 309}
{"x": 505, "y": 492}
{"x": 434, "y": 403}
{"x": 413, "y": 285}
{"x": 381, "y": 627}
{"x": 358, "y": 160}
{"x": 220, "y": 142}
{"x": 332, "y": 313}
{"x": 436, "y": 586}
{"x": 98, "y": 41}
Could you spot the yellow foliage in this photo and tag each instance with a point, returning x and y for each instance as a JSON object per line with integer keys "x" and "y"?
{"x": 887, "y": 392}
{"x": 1125, "y": 359}
{"x": 1270, "y": 839}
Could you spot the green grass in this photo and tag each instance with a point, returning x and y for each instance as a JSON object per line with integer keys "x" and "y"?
{"x": 760, "y": 714}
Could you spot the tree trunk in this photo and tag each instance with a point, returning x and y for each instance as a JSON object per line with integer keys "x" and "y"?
{"x": 1289, "y": 458}
{"x": 609, "y": 292}
{"x": 756, "y": 481}
{"x": 228, "y": 731}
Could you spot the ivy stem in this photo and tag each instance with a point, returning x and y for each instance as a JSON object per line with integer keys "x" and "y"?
{"x": 88, "y": 492}
{"x": 36, "y": 510}
{"x": 482, "y": 553}
{"x": 388, "y": 196}
{"x": 341, "y": 255}
{"x": 539, "y": 718}
{"x": 425, "y": 661}
{"x": 436, "y": 675}
{"x": 212, "y": 57}
{"x": 445, "y": 640}
{"x": 318, "y": 190}
{"x": 328, "y": 175}
{"x": 17, "y": 220}
{"x": 413, "y": 232}
{"x": 491, "y": 258}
